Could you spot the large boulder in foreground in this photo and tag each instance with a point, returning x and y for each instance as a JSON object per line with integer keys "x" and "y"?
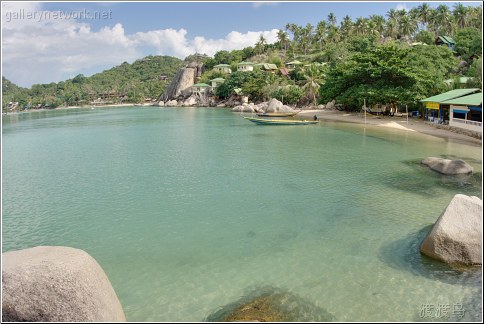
{"x": 56, "y": 284}
{"x": 448, "y": 167}
{"x": 457, "y": 235}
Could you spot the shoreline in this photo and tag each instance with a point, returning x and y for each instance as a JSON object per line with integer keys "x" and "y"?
{"x": 400, "y": 123}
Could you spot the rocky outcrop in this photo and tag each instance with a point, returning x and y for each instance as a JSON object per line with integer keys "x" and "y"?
{"x": 448, "y": 167}
{"x": 56, "y": 284}
{"x": 331, "y": 105}
{"x": 171, "y": 103}
{"x": 273, "y": 105}
{"x": 248, "y": 108}
{"x": 181, "y": 83}
{"x": 457, "y": 235}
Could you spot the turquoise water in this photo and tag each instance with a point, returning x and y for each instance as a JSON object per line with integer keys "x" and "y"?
{"x": 188, "y": 210}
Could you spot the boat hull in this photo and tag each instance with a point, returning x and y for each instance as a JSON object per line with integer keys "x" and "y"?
{"x": 277, "y": 114}
{"x": 263, "y": 121}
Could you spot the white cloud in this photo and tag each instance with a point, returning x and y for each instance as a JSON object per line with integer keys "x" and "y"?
{"x": 402, "y": 6}
{"x": 260, "y": 4}
{"x": 175, "y": 43}
{"x": 52, "y": 50}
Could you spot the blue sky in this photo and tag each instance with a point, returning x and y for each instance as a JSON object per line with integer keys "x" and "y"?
{"x": 216, "y": 19}
{"x": 55, "y": 49}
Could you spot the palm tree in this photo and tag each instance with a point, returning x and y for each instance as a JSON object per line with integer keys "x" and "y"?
{"x": 424, "y": 13}
{"x": 391, "y": 29}
{"x": 475, "y": 17}
{"x": 332, "y": 19}
{"x": 313, "y": 78}
{"x": 260, "y": 46}
{"x": 283, "y": 39}
{"x": 460, "y": 15}
{"x": 407, "y": 26}
{"x": 360, "y": 26}
{"x": 371, "y": 28}
{"x": 346, "y": 26}
{"x": 379, "y": 22}
{"x": 392, "y": 15}
{"x": 320, "y": 35}
{"x": 306, "y": 38}
{"x": 333, "y": 34}
{"x": 444, "y": 20}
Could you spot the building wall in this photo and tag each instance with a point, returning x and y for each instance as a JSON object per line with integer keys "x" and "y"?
{"x": 245, "y": 68}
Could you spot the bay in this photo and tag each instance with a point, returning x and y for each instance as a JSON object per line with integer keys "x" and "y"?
{"x": 188, "y": 209}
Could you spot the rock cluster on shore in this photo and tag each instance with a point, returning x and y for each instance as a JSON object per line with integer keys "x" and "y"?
{"x": 456, "y": 237}
{"x": 56, "y": 284}
{"x": 273, "y": 105}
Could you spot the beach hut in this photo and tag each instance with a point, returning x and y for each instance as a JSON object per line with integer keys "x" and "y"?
{"x": 200, "y": 88}
{"x": 224, "y": 68}
{"x": 466, "y": 112}
{"x": 292, "y": 65}
{"x": 216, "y": 82}
{"x": 245, "y": 66}
{"x": 268, "y": 67}
{"x": 445, "y": 41}
{"x": 436, "y": 111}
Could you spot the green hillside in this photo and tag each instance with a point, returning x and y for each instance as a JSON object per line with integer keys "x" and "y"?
{"x": 143, "y": 79}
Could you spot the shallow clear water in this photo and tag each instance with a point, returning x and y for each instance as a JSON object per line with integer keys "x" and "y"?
{"x": 188, "y": 210}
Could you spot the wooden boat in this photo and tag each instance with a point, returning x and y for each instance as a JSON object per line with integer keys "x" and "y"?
{"x": 277, "y": 114}
{"x": 265, "y": 121}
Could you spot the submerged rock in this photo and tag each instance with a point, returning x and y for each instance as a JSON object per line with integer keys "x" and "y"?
{"x": 457, "y": 235}
{"x": 271, "y": 305}
{"x": 448, "y": 167}
{"x": 56, "y": 284}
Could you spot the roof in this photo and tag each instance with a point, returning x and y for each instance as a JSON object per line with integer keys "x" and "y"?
{"x": 470, "y": 100}
{"x": 245, "y": 63}
{"x": 450, "y": 95}
{"x": 218, "y": 80}
{"x": 294, "y": 62}
{"x": 465, "y": 79}
{"x": 284, "y": 71}
{"x": 447, "y": 39}
{"x": 267, "y": 66}
{"x": 222, "y": 65}
{"x": 200, "y": 85}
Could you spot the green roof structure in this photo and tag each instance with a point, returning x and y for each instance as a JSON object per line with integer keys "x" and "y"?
{"x": 447, "y": 40}
{"x": 217, "y": 80}
{"x": 293, "y": 62}
{"x": 449, "y": 95}
{"x": 222, "y": 65}
{"x": 200, "y": 85}
{"x": 245, "y": 63}
{"x": 266, "y": 66}
{"x": 470, "y": 100}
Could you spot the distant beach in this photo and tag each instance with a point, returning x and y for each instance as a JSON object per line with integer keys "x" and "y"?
{"x": 414, "y": 124}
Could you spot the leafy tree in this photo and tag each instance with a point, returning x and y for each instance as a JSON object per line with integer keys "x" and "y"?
{"x": 468, "y": 42}
{"x": 288, "y": 94}
{"x": 425, "y": 36}
{"x": 385, "y": 74}
{"x": 475, "y": 72}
